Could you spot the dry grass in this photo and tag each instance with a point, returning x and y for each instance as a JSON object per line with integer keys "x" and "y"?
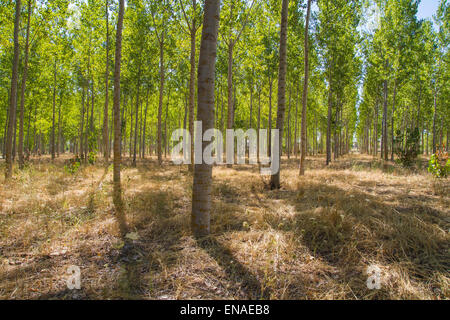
{"x": 314, "y": 239}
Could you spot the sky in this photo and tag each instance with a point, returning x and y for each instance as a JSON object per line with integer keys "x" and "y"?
{"x": 427, "y": 8}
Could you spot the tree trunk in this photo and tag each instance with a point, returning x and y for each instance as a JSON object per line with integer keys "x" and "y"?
{"x": 305, "y": 92}
{"x": 34, "y": 129}
{"x": 145, "y": 124}
{"x": 140, "y": 130}
{"x": 136, "y": 114}
{"x": 269, "y": 139}
{"x": 15, "y": 137}
{"x": 330, "y": 111}
{"x": 53, "y": 114}
{"x": 130, "y": 144}
{"x": 28, "y": 136}
{"x": 202, "y": 187}
{"x": 288, "y": 133}
{"x": 275, "y": 180}
{"x": 259, "y": 121}
{"x": 230, "y": 109}
{"x": 384, "y": 153}
{"x": 24, "y": 84}
{"x": 192, "y": 88}
{"x": 250, "y": 122}
{"x": 13, "y": 96}
{"x": 5, "y": 131}
{"x": 91, "y": 123}
{"x": 81, "y": 146}
{"x": 392, "y": 120}
{"x": 58, "y": 141}
{"x": 375, "y": 131}
{"x": 434, "y": 121}
{"x": 86, "y": 133}
{"x": 165, "y": 125}
{"x": 105, "y": 109}
{"x": 123, "y": 129}
{"x": 296, "y": 122}
{"x": 161, "y": 96}
{"x": 118, "y": 202}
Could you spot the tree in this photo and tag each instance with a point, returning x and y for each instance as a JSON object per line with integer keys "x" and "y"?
{"x": 105, "y": 110}
{"x": 24, "y": 84}
{"x": 202, "y": 187}
{"x": 305, "y": 93}
{"x": 159, "y": 23}
{"x": 118, "y": 202}
{"x": 13, "y": 96}
{"x": 193, "y": 27}
{"x": 275, "y": 180}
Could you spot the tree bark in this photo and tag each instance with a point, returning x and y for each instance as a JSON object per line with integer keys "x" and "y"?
{"x": 91, "y": 123}
{"x": 28, "y": 135}
{"x": 269, "y": 139}
{"x": 330, "y": 112}
{"x": 81, "y": 146}
{"x": 24, "y": 84}
{"x": 296, "y": 123}
{"x": 434, "y": 121}
{"x": 288, "y": 133}
{"x": 161, "y": 96}
{"x": 375, "y": 131}
{"x": 384, "y": 151}
{"x": 118, "y": 202}
{"x": 106, "y": 107}
{"x": 13, "y": 96}
{"x": 58, "y": 141}
{"x": 275, "y": 180}
{"x": 136, "y": 114}
{"x": 305, "y": 92}
{"x": 53, "y": 114}
{"x": 258, "y": 121}
{"x": 166, "y": 140}
{"x": 202, "y": 187}
{"x": 393, "y": 118}
{"x": 145, "y": 124}
{"x": 192, "y": 86}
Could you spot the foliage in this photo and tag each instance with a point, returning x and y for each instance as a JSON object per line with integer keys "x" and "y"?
{"x": 407, "y": 146}
{"x": 355, "y": 46}
{"x": 73, "y": 165}
{"x": 439, "y": 165}
{"x": 92, "y": 157}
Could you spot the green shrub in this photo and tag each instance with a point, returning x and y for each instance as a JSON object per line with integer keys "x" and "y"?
{"x": 73, "y": 165}
{"x": 92, "y": 157}
{"x": 408, "y": 152}
{"x": 439, "y": 165}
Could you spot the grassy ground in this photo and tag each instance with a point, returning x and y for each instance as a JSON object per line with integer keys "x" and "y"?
{"x": 314, "y": 239}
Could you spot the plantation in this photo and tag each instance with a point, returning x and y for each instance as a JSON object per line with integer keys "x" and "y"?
{"x": 224, "y": 149}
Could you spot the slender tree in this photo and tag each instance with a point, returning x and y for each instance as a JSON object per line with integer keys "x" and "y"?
{"x": 118, "y": 202}
{"x": 193, "y": 27}
{"x": 13, "y": 96}
{"x": 161, "y": 37}
{"x": 202, "y": 187}
{"x": 275, "y": 180}
{"x": 105, "y": 109}
{"x": 53, "y": 114}
{"x": 305, "y": 92}
{"x": 24, "y": 84}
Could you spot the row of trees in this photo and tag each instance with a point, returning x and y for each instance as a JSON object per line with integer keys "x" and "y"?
{"x": 335, "y": 69}
{"x": 406, "y": 80}
{"x": 66, "y": 93}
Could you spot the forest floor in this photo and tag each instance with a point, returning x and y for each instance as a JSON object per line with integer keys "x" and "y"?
{"x": 313, "y": 239}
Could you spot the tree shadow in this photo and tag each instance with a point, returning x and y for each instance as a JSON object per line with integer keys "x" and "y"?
{"x": 236, "y": 271}
{"x": 347, "y": 228}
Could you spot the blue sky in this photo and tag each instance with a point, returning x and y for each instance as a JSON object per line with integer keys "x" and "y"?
{"x": 427, "y": 8}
